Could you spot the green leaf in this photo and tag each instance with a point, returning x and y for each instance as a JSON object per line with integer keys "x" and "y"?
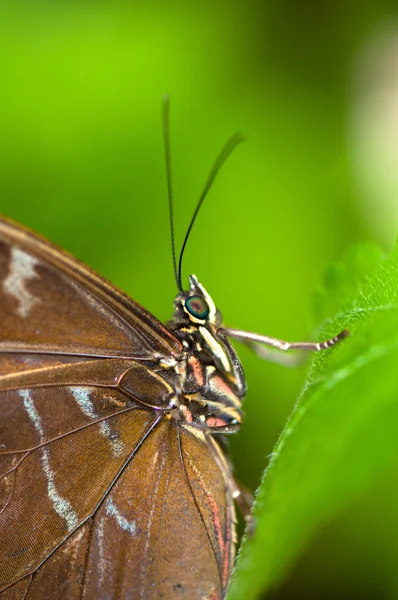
{"x": 342, "y": 433}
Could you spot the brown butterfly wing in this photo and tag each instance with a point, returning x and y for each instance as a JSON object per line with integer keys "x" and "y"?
{"x": 49, "y": 302}
{"x": 158, "y": 542}
{"x": 100, "y": 496}
{"x": 142, "y": 512}
{"x": 60, "y": 467}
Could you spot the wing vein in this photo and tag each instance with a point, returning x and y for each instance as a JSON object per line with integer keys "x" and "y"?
{"x": 198, "y": 509}
{"x": 150, "y": 521}
{"x": 151, "y": 427}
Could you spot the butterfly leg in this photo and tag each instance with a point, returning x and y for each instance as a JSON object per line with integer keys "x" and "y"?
{"x": 256, "y": 338}
{"x": 285, "y": 360}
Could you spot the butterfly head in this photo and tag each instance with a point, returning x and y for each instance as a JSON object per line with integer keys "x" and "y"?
{"x": 211, "y": 378}
{"x": 195, "y": 307}
{"x": 196, "y": 322}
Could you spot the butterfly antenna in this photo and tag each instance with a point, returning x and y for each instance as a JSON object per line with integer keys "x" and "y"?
{"x": 166, "y": 138}
{"x": 226, "y": 151}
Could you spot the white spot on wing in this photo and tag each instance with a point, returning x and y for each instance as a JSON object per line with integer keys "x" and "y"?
{"x": 21, "y": 269}
{"x": 101, "y": 551}
{"x": 125, "y": 524}
{"x": 82, "y": 397}
{"x": 61, "y": 505}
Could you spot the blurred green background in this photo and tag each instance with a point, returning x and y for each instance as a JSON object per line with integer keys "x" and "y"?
{"x": 315, "y": 89}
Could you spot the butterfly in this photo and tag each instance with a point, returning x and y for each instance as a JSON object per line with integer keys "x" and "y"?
{"x": 115, "y": 479}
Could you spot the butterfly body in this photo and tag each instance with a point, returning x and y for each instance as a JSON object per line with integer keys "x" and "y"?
{"x": 114, "y": 482}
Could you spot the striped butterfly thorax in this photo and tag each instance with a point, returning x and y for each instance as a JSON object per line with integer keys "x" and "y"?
{"x": 114, "y": 478}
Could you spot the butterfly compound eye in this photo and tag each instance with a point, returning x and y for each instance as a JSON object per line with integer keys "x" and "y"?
{"x": 197, "y": 307}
